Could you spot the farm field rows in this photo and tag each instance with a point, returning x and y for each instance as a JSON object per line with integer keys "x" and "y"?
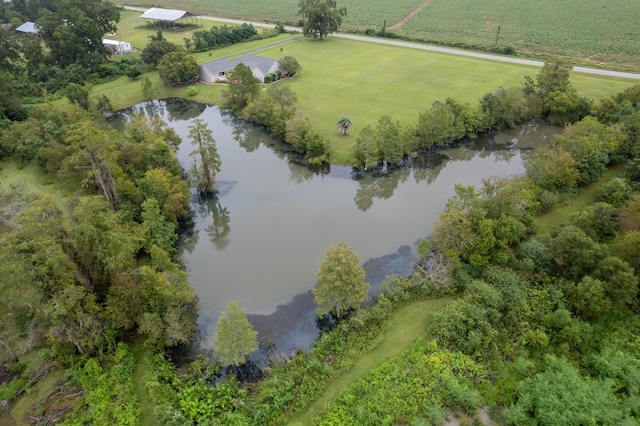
{"x": 361, "y": 14}
{"x": 594, "y": 30}
{"x": 598, "y": 32}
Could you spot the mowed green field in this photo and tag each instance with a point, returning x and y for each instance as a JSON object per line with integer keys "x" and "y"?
{"x": 361, "y": 80}
{"x": 365, "y": 81}
{"x": 597, "y": 32}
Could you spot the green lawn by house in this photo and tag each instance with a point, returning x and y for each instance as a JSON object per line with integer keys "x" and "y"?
{"x": 363, "y": 81}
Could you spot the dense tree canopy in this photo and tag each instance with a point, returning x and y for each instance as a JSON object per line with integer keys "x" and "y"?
{"x": 157, "y": 47}
{"x": 289, "y": 65}
{"x": 235, "y": 337}
{"x": 320, "y": 17}
{"x": 243, "y": 87}
{"x": 341, "y": 284}
{"x": 178, "y": 67}
{"x": 73, "y": 30}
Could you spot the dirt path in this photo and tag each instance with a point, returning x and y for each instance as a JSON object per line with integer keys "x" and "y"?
{"x": 411, "y": 14}
{"x": 405, "y": 326}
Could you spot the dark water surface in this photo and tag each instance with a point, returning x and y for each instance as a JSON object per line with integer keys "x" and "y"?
{"x": 260, "y": 242}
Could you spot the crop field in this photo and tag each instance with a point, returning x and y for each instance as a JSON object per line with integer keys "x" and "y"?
{"x": 597, "y": 32}
{"x": 361, "y": 14}
{"x": 593, "y": 30}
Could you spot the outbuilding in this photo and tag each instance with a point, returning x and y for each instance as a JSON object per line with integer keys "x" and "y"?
{"x": 28, "y": 28}
{"x": 116, "y": 46}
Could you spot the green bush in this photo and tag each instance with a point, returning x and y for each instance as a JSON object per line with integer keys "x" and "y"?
{"x": 268, "y": 78}
{"x": 9, "y": 389}
{"x": 192, "y": 91}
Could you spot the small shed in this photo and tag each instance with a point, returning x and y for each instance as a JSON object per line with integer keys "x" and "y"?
{"x": 217, "y": 71}
{"x": 28, "y": 28}
{"x": 116, "y": 46}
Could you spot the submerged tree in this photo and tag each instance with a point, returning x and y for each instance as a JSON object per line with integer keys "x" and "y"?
{"x": 206, "y": 161}
{"x": 235, "y": 337}
{"x": 344, "y": 124}
{"x": 341, "y": 283}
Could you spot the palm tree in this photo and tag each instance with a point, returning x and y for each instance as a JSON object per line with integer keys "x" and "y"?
{"x": 344, "y": 124}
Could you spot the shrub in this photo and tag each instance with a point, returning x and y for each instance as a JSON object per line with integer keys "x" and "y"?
{"x": 615, "y": 192}
{"x": 192, "y": 91}
{"x": 268, "y": 78}
{"x": 133, "y": 72}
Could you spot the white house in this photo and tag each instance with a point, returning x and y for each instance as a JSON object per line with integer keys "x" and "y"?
{"x": 117, "y": 46}
{"x": 216, "y": 71}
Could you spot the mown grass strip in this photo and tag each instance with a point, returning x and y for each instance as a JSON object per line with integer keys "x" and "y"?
{"x": 560, "y": 215}
{"x": 404, "y": 326}
{"x": 139, "y": 381}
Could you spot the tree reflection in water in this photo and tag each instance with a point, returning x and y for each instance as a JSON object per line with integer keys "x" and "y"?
{"x": 218, "y": 230}
{"x": 382, "y": 182}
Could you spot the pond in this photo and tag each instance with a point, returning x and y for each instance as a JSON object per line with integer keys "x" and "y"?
{"x": 261, "y": 240}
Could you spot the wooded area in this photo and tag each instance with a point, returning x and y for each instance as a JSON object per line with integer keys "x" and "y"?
{"x": 543, "y": 328}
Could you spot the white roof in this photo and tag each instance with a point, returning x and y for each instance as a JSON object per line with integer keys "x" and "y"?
{"x": 163, "y": 14}
{"x": 28, "y": 27}
{"x": 112, "y": 42}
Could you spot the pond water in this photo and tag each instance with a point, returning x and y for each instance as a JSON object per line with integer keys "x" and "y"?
{"x": 261, "y": 240}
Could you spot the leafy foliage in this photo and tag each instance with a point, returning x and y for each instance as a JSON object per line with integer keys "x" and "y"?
{"x": 243, "y": 87}
{"x": 560, "y": 396}
{"x": 341, "y": 284}
{"x": 289, "y": 65}
{"x": 235, "y": 338}
{"x": 73, "y": 30}
{"x": 178, "y": 67}
{"x": 220, "y": 36}
{"x": 206, "y": 161}
{"x": 320, "y": 17}
{"x": 344, "y": 124}
{"x": 389, "y": 394}
{"x": 105, "y": 387}
{"x": 157, "y": 47}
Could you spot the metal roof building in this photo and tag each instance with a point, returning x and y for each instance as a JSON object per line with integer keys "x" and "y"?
{"x": 159, "y": 14}
{"x": 166, "y": 17}
{"x": 28, "y": 27}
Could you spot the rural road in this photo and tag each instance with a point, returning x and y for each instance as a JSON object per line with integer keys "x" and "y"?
{"x": 422, "y": 47}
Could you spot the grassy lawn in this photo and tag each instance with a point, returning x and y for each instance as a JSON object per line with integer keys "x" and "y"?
{"x": 124, "y": 92}
{"x": 136, "y": 30}
{"x": 560, "y": 215}
{"x": 404, "y": 326}
{"x": 363, "y": 81}
{"x": 139, "y": 382}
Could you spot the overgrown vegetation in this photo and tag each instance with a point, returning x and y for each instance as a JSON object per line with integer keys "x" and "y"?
{"x": 545, "y": 332}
